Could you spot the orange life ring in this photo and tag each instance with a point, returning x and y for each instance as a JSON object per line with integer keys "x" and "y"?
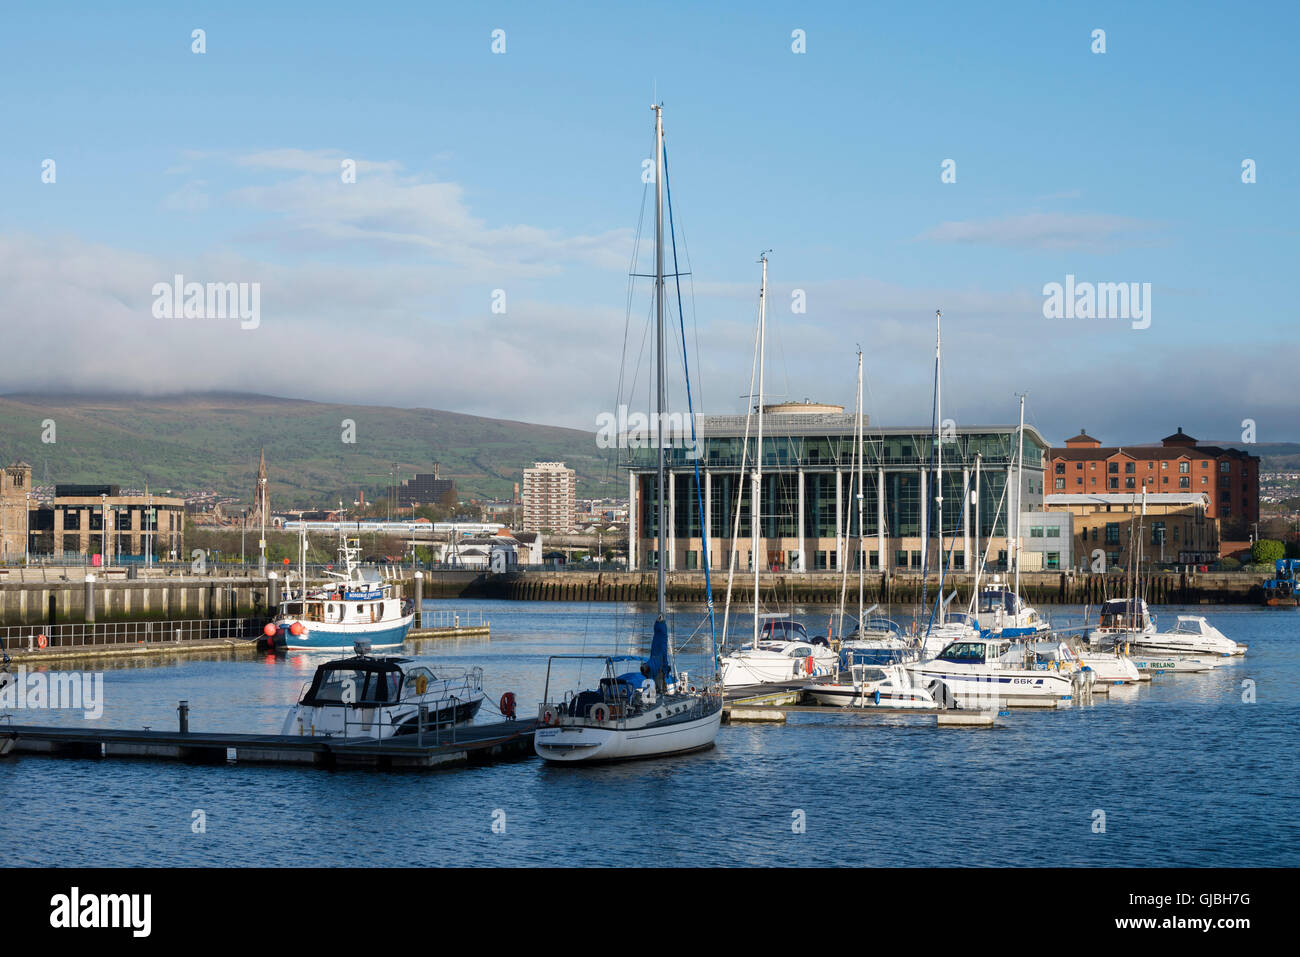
{"x": 41, "y": 641}
{"x": 546, "y": 718}
{"x": 599, "y": 712}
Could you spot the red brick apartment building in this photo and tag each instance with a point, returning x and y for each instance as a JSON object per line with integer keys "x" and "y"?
{"x": 1229, "y": 477}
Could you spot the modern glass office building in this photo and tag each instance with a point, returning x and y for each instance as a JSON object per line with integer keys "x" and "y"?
{"x": 810, "y": 486}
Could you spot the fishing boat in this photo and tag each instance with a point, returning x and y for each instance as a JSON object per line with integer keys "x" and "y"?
{"x": 1002, "y": 613}
{"x": 876, "y": 686}
{"x": 984, "y": 672}
{"x": 648, "y": 710}
{"x": 378, "y": 697}
{"x": 354, "y": 605}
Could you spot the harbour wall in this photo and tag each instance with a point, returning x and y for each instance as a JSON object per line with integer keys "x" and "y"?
{"x": 176, "y": 598}
{"x": 1038, "y": 588}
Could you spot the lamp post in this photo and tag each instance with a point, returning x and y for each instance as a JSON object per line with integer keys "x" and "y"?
{"x": 27, "y": 530}
{"x": 103, "y": 529}
{"x": 148, "y": 555}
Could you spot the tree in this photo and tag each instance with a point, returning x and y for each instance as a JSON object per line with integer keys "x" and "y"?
{"x": 1266, "y": 551}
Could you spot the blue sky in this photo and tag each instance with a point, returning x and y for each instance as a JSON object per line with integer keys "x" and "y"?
{"x": 521, "y": 172}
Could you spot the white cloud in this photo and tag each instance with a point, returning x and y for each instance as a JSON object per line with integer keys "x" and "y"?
{"x": 1046, "y": 231}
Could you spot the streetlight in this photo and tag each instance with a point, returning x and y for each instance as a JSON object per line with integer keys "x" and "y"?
{"x": 27, "y": 530}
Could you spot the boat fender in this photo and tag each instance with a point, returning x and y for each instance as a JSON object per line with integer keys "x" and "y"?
{"x": 809, "y": 665}
{"x": 421, "y": 684}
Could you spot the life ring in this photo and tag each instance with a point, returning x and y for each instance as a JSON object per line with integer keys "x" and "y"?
{"x": 421, "y": 684}
{"x": 508, "y": 705}
{"x": 546, "y": 717}
{"x": 598, "y": 712}
{"x": 41, "y": 641}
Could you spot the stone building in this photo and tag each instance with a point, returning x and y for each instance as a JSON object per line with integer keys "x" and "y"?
{"x": 16, "y": 504}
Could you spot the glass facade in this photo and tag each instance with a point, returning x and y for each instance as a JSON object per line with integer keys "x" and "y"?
{"x": 820, "y": 456}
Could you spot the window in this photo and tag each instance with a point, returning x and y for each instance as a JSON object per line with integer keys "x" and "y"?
{"x": 1164, "y": 466}
{"x": 1035, "y": 531}
{"x": 1053, "y": 531}
{"x": 1205, "y": 464}
{"x": 1205, "y": 480}
{"x": 1114, "y": 483}
{"x": 1060, "y": 468}
{"x": 1053, "y": 561}
{"x": 1060, "y": 483}
{"x": 1112, "y": 466}
{"x": 1184, "y": 482}
{"x": 1183, "y": 467}
{"x": 1223, "y": 467}
{"x": 1129, "y": 467}
{"x": 1128, "y": 483}
{"x": 1112, "y": 533}
{"x": 1078, "y": 466}
{"x": 873, "y": 559}
{"x": 900, "y": 558}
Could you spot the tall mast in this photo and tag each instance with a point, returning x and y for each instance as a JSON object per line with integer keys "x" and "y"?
{"x": 861, "y": 496}
{"x": 661, "y": 498}
{"x": 1020, "y": 485}
{"x": 756, "y": 488}
{"x": 938, "y": 480}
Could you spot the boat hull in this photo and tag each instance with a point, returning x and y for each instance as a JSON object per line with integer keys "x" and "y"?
{"x": 334, "y": 637}
{"x": 847, "y": 696}
{"x": 585, "y": 743}
{"x": 1025, "y": 689}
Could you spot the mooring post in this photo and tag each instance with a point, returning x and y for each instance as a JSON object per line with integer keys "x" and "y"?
{"x": 90, "y": 599}
{"x": 183, "y": 710}
{"x": 419, "y": 599}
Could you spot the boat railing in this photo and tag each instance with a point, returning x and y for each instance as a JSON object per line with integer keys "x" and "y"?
{"x": 71, "y": 635}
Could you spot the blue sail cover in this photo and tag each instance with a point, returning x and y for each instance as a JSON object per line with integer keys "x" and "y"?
{"x": 657, "y": 663}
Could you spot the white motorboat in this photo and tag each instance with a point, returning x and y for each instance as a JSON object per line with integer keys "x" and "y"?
{"x": 985, "y": 672}
{"x": 959, "y": 626}
{"x": 369, "y": 697}
{"x": 784, "y": 653}
{"x": 876, "y": 686}
{"x": 649, "y": 711}
{"x": 1157, "y": 664}
{"x": 1193, "y": 635}
{"x": 1111, "y": 667}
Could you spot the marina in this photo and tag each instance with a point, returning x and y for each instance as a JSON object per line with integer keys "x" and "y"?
{"x": 837, "y": 764}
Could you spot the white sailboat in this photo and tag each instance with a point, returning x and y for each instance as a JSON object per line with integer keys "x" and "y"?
{"x": 773, "y": 655}
{"x": 648, "y": 710}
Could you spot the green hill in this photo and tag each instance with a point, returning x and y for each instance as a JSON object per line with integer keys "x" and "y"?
{"x": 211, "y": 440}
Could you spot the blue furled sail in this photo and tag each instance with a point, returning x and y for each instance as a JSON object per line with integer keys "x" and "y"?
{"x": 656, "y": 666}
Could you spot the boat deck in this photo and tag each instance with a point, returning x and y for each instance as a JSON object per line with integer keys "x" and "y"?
{"x": 472, "y": 744}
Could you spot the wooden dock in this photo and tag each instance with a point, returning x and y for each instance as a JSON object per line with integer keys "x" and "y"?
{"x": 472, "y": 744}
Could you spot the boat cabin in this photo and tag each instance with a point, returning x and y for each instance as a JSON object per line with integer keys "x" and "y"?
{"x": 365, "y": 682}
{"x": 780, "y": 629}
{"x": 975, "y": 651}
{"x": 998, "y": 597}
{"x": 1124, "y": 613}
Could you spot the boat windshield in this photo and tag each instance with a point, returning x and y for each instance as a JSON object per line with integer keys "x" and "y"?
{"x": 964, "y": 651}
{"x": 997, "y": 599}
{"x": 359, "y": 686}
{"x": 783, "y": 631}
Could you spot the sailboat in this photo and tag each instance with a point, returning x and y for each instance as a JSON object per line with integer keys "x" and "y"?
{"x": 771, "y": 656}
{"x": 640, "y": 708}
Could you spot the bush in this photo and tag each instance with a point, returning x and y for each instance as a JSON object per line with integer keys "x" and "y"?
{"x": 1229, "y": 564}
{"x": 1266, "y": 551}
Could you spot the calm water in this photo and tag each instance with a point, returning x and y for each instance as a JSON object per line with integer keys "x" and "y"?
{"x": 1186, "y": 773}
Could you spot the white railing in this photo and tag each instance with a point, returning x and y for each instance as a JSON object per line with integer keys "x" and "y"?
{"x": 451, "y": 618}
{"x": 39, "y": 637}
